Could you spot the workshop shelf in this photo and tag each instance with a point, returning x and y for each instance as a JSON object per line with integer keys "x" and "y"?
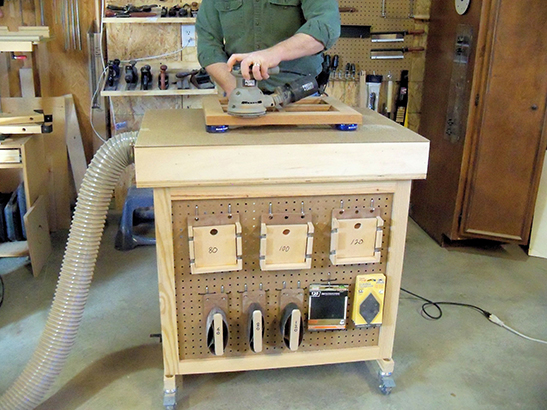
{"x": 150, "y": 20}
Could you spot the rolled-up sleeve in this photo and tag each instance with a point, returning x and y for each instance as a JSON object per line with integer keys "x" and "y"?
{"x": 209, "y": 35}
{"x": 322, "y": 21}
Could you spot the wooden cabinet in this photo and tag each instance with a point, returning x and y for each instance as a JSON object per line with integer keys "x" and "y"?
{"x": 484, "y": 112}
{"x": 27, "y": 165}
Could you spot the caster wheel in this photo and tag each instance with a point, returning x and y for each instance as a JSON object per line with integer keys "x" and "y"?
{"x": 216, "y": 129}
{"x": 385, "y": 390}
{"x": 386, "y": 385}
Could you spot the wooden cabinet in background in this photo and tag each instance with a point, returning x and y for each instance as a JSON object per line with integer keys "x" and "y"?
{"x": 484, "y": 112}
{"x": 28, "y": 166}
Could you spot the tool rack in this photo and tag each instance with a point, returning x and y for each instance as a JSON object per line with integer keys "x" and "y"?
{"x": 272, "y": 170}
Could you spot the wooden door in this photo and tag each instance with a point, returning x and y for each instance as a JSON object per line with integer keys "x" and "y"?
{"x": 436, "y": 201}
{"x": 509, "y": 138}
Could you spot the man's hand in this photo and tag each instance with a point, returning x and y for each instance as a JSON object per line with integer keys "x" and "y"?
{"x": 259, "y": 62}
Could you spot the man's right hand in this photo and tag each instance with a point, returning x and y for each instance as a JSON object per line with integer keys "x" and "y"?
{"x": 257, "y": 62}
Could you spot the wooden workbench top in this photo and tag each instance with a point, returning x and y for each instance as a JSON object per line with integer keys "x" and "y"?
{"x": 173, "y": 149}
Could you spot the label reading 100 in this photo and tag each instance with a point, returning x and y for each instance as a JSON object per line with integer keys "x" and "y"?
{"x": 356, "y": 241}
{"x": 284, "y": 248}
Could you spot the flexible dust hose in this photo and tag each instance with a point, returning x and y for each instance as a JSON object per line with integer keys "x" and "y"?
{"x": 94, "y": 197}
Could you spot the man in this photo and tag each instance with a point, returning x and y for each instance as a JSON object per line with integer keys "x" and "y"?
{"x": 260, "y": 34}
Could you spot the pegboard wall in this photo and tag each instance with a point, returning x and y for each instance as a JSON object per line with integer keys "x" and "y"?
{"x": 369, "y": 13}
{"x": 190, "y": 289}
{"x": 382, "y": 16}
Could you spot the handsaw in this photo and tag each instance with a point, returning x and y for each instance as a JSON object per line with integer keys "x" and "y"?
{"x": 393, "y": 36}
{"x": 392, "y": 53}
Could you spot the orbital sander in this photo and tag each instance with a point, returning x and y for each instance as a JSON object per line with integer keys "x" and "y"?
{"x": 248, "y": 101}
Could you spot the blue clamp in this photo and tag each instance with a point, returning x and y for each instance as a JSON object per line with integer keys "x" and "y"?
{"x": 346, "y": 127}
{"x": 215, "y": 129}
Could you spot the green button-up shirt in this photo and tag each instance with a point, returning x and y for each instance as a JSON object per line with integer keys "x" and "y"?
{"x": 225, "y": 27}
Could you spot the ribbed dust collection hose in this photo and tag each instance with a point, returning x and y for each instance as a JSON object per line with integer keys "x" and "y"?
{"x": 94, "y": 197}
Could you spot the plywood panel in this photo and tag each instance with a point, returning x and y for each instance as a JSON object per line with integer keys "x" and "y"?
{"x": 136, "y": 41}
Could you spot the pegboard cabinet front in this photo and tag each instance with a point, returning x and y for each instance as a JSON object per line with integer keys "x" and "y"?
{"x": 190, "y": 288}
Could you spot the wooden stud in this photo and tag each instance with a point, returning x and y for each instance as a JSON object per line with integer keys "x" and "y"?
{"x": 166, "y": 274}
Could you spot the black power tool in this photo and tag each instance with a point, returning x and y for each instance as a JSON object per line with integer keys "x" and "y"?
{"x": 247, "y": 100}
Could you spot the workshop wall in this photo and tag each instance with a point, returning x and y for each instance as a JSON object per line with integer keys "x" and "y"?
{"x": 67, "y": 71}
{"x": 61, "y": 72}
{"x": 132, "y": 41}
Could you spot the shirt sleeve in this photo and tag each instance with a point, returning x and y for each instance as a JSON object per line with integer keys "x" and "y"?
{"x": 209, "y": 35}
{"x": 322, "y": 21}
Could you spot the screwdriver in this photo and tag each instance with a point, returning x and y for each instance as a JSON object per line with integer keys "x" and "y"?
{"x": 334, "y": 65}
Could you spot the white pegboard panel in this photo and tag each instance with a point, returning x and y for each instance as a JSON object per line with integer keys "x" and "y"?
{"x": 190, "y": 289}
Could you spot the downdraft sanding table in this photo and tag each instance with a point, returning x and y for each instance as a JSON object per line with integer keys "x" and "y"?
{"x": 208, "y": 185}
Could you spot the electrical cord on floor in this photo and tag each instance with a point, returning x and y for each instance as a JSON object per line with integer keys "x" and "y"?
{"x": 490, "y": 316}
{"x": 1, "y": 290}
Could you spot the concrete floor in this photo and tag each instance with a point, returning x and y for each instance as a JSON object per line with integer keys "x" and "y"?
{"x": 459, "y": 362}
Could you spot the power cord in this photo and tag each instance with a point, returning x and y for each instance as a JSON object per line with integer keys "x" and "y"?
{"x": 490, "y": 316}
{"x": 1, "y": 290}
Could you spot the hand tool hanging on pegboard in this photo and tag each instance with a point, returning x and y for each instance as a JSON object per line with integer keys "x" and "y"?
{"x": 347, "y": 9}
{"x": 393, "y": 53}
{"x": 393, "y": 36}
